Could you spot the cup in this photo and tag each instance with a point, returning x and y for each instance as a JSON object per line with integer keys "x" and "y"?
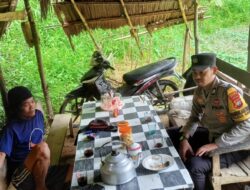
{"x": 82, "y": 179}
{"x": 151, "y": 128}
{"x": 106, "y": 100}
{"x": 148, "y": 117}
{"x": 88, "y": 152}
{"x": 158, "y": 141}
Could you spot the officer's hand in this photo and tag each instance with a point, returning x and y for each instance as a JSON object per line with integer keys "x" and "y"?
{"x": 185, "y": 150}
{"x": 206, "y": 148}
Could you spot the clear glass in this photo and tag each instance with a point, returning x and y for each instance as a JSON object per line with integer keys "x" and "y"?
{"x": 151, "y": 128}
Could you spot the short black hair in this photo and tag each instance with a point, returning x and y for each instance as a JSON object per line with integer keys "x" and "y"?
{"x": 16, "y": 96}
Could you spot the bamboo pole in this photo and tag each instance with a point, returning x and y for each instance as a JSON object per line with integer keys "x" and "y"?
{"x": 128, "y": 36}
{"x": 196, "y": 36}
{"x": 39, "y": 58}
{"x": 248, "y": 57}
{"x": 3, "y": 93}
{"x": 186, "y": 44}
{"x": 133, "y": 30}
{"x": 184, "y": 16}
{"x": 85, "y": 24}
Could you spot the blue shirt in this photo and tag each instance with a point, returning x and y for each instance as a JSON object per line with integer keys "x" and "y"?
{"x": 19, "y": 134}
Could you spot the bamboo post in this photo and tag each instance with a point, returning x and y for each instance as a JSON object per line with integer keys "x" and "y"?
{"x": 85, "y": 24}
{"x": 184, "y": 16}
{"x": 133, "y": 30}
{"x": 196, "y": 37}
{"x": 39, "y": 58}
{"x": 12, "y": 7}
{"x": 248, "y": 57}
{"x": 186, "y": 44}
{"x": 3, "y": 93}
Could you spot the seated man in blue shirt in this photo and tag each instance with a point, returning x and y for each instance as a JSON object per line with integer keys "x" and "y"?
{"x": 28, "y": 156}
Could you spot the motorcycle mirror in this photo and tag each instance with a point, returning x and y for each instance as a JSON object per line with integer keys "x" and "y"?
{"x": 106, "y": 65}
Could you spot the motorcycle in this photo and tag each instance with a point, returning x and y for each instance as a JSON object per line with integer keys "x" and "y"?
{"x": 148, "y": 80}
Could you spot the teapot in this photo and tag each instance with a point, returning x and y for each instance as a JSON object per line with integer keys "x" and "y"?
{"x": 118, "y": 168}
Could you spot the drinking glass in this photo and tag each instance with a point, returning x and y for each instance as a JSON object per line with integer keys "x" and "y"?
{"x": 158, "y": 141}
{"x": 151, "y": 128}
{"x": 148, "y": 117}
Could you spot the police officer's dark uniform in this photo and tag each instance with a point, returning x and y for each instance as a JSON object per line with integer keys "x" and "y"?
{"x": 225, "y": 119}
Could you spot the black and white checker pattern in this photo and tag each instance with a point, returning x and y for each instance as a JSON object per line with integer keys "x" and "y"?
{"x": 174, "y": 177}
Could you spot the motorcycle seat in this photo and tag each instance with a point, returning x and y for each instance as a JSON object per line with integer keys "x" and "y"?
{"x": 146, "y": 71}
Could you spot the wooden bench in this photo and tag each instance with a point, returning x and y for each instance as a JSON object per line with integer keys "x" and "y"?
{"x": 236, "y": 173}
{"x": 57, "y": 134}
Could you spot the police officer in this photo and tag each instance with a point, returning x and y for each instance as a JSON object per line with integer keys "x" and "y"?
{"x": 222, "y": 112}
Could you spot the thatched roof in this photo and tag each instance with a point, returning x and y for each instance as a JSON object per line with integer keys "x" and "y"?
{"x": 110, "y": 14}
{"x": 6, "y": 6}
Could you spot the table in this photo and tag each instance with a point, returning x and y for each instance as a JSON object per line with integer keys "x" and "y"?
{"x": 174, "y": 177}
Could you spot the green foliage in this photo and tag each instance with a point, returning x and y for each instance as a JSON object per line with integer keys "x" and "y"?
{"x": 225, "y": 33}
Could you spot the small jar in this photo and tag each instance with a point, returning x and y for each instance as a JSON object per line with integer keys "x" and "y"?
{"x": 125, "y": 133}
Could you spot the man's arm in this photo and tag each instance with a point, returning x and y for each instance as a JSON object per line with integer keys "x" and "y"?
{"x": 239, "y": 111}
{"x": 2, "y": 158}
{"x": 188, "y": 130}
{"x": 238, "y": 134}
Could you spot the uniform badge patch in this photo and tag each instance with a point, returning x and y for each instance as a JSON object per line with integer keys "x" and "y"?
{"x": 236, "y": 99}
{"x": 221, "y": 117}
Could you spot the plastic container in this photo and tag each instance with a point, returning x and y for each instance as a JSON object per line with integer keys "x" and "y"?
{"x": 125, "y": 133}
{"x": 182, "y": 103}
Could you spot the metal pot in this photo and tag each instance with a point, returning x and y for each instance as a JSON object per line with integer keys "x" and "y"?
{"x": 117, "y": 169}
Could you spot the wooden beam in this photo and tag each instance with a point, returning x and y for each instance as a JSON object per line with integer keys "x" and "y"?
{"x": 39, "y": 59}
{"x": 184, "y": 17}
{"x": 4, "y": 4}
{"x": 234, "y": 72}
{"x": 133, "y": 30}
{"x": 186, "y": 50}
{"x": 196, "y": 35}
{"x": 9, "y": 16}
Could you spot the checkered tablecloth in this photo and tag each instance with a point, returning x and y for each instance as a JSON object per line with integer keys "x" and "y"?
{"x": 174, "y": 177}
